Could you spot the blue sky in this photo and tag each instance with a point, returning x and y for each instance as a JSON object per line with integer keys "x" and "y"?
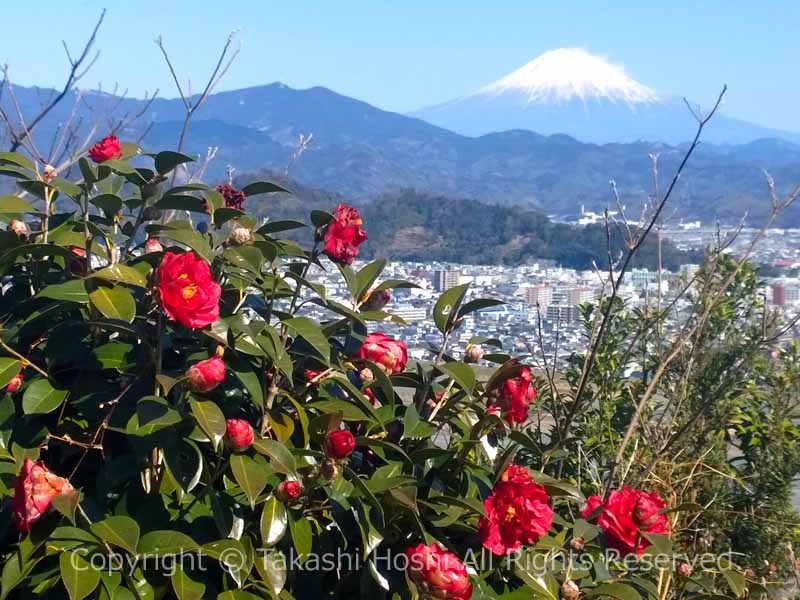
{"x": 404, "y": 55}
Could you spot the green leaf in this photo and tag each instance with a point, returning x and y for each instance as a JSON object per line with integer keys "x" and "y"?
{"x": 446, "y": 308}
{"x": 119, "y": 166}
{"x": 302, "y": 538}
{"x": 462, "y": 374}
{"x": 41, "y": 398}
{"x": 414, "y": 426}
{"x": 67, "y": 504}
{"x": 72, "y": 291}
{"x": 121, "y": 274}
{"x": 118, "y": 531}
{"x": 14, "y": 572}
{"x": 14, "y": 205}
{"x": 154, "y": 413}
{"x": 274, "y": 522}
{"x": 615, "y": 590}
{"x": 192, "y": 239}
{"x": 312, "y": 333}
{"x": 114, "y": 303}
{"x": 79, "y": 577}
{"x": 190, "y": 203}
{"x": 251, "y": 476}
{"x": 110, "y": 204}
{"x": 185, "y": 587}
{"x": 167, "y": 161}
{"x": 16, "y": 158}
{"x": 210, "y": 419}
{"x": 366, "y": 277}
{"x": 272, "y": 568}
{"x": 262, "y": 187}
{"x": 166, "y": 542}
{"x": 281, "y": 460}
{"x": 9, "y": 368}
{"x": 278, "y": 226}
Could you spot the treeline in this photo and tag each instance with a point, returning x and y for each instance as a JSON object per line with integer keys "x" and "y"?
{"x": 409, "y": 225}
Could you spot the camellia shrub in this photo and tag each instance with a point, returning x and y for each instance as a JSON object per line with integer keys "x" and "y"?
{"x": 174, "y": 424}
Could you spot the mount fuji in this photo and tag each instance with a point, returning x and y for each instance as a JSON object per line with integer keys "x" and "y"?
{"x": 571, "y": 91}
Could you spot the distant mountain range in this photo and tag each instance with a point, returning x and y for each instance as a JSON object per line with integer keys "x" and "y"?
{"x": 573, "y": 92}
{"x": 362, "y": 152}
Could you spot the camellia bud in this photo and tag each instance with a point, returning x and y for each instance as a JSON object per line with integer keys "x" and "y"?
{"x": 205, "y": 375}
{"x": 240, "y": 235}
{"x": 15, "y": 383}
{"x": 153, "y": 245}
{"x": 329, "y": 470}
{"x": 474, "y": 353}
{"x": 50, "y": 173}
{"x": 339, "y": 444}
{"x": 366, "y": 375}
{"x": 685, "y": 570}
{"x": 19, "y": 227}
{"x": 376, "y": 300}
{"x": 577, "y": 544}
{"x": 570, "y": 590}
{"x": 239, "y": 434}
{"x": 288, "y": 490}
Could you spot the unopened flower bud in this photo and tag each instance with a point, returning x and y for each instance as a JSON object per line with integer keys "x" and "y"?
{"x": 339, "y": 444}
{"x": 577, "y": 544}
{"x": 153, "y": 245}
{"x": 288, "y": 490}
{"x": 685, "y": 570}
{"x": 205, "y": 375}
{"x": 366, "y": 375}
{"x": 376, "y": 300}
{"x": 570, "y": 590}
{"x": 474, "y": 353}
{"x": 239, "y": 434}
{"x": 240, "y": 235}
{"x": 15, "y": 383}
{"x": 50, "y": 173}
{"x": 19, "y": 227}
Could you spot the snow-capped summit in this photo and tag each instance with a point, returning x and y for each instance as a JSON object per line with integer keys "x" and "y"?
{"x": 568, "y": 73}
{"x": 571, "y": 91}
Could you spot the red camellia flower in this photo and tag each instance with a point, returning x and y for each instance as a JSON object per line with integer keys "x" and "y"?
{"x": 288, "y": 490}
{"x": 311, "y": 376}
{"x": 339, "y": 443}
{"x": 15, "y": 383}
{"x": 437, "y": 573}
{"x": 517, "y": 512}
{"x": 389, "y": 354}
{"x": 205, "y": 375}
{"x": 515, "y": 396}
{"x": 35, "y": 489}
{"x": 188, "y": 293}
{"x": 626, "y": 515}
{"x": 239, "y": 434}
{"x": 233, "y": 197}
{"x": 106, "y": 149}
{"x": 344, "y": 234}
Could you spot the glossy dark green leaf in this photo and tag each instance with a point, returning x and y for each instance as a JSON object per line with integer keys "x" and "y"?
{"x": 446, "y": 307}
{"x": 250, "y": 475}
{"x": 166, "y": 161}
{"x": 41, "y": 397}
{"x": 281, "y": 460}
{"x": 262, "y": 187}
{"x": 14, "y": 205}
{"x": 114, "y": 303}
{"x": 185, "y": 587}
{"x": 274, "y": 521}
{"x": 312, "y": 333}
{"x": 72, "y": 291}
{"x": 119, "y": 531}
{"x": 79, "y": 577}
{"x": 210, "y": 419}
{"x": 9, "y": 368}
{"x": 166, "y": 542}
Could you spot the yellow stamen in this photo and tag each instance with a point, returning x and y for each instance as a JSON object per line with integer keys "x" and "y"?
{"x": 189, "y": 291}
{"x": 510, "y": 512}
